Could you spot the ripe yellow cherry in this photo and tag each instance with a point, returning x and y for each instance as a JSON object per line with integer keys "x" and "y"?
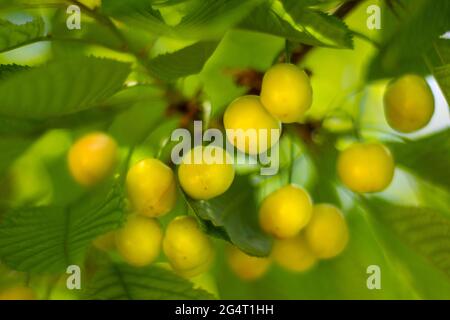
{"x": 188, "y": 249}
{"x": 206, "y": 172}
{"x": 250, "y": 128}
{"x": 247, "y": 267}
{"x": 286, "y": 92}
{"x": 408, "y": 103}
{"x": 139, "y": 240}
{"x": 327, "y": 232}
{"x": 92, "y": 158}
{"x": 17, "y": 293}
{"x": 285, "y": 212}
{"x": 293, "y": 254}
{"x": 151, "y": 188}
{"x": 366, "y": 167}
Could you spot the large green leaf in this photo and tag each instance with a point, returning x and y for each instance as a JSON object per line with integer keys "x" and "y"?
{"x": 48, "y": 239}
{"x": 13, "y": 35}
{"x": 234, "y": 216}
{"x": 326, "y": 29}
{"x": 61, "y": 87}
{"x": 184, "y": 62}
{"x": 426, "y": 230}
{"x": 123, "y": 282}
{"x": 417, "y": 240}
{"x": 300, "y": 25}
{"x": 402, "y": 51}
{"x": 427, "y": 157}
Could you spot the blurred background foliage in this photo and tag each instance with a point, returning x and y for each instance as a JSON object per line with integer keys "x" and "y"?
{"x": 138, "y": 69}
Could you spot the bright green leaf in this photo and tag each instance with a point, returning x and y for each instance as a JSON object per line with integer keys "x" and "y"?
{"x": 425, "y": 231}
{"x": 48, "y": 239}
{"x": 306, "y": 26}
{"x": 212, "y": 18}
{"x": 184, "y": 62}
{"x": 123, "y": 282}
{"x": 427, "y": 157}
{"x": 61, "y": 87}
{"x": 13, "y": 35}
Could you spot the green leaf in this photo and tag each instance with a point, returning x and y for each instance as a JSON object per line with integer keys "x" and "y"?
{"x": 425, "y": 230}
{"x": 427, "y": 157}
{"x": 300, "y": 25}
{"x": 7, "y": 70}
{"x": 442, "y": 75}
{"x": 61, "y": 87}
{"x": 402, "y": 51}
{"x": 48, "y": 239}
{"x": 10, "y": 149}
{"x": 236, "y": 213}
{"x": 212, "y": 18}
{"x": 438, "y": 60}
{"x": 184, "y": 62}
{"x": 327, "y": 29}
{"x": 123, "y": 282}
{"x": 137, "y": 13}
{"x": 13, "y": 36}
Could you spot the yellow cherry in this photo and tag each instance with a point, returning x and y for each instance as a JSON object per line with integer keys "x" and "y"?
{"x": 139, "y": 240}
{"x": 206, "y": 172}
{"x": 188, "y": 249}
{"x": 293, "y": 254}
{"x": 366, "y": 167}
{"x": 327, "y": 232}
{"x": 408, "y": 103}
{"x": 92, "y": 158}
{"x": 285, "y": 212}
{"x": 151, "y": 188}
{"x": 247, "y": 267}
{"x": 286, "y": 92}
{"x": 249, "y": 126}
{"x": 17, "y": 293}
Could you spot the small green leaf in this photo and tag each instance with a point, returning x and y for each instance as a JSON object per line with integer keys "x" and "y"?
{"x": 48, "y": 239}
{"x": 211, "y": 18}
{"x": 426, "y": 157}
{"x": 61, "y": 87}
{"x": 300, "y": 25}
{"x": 123, "y": 282}
{"x": 236, "y": 213}
{"x": 13, "y": 35}
{"x": 137, "y": 13}
{"x": 184, "y": 62}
